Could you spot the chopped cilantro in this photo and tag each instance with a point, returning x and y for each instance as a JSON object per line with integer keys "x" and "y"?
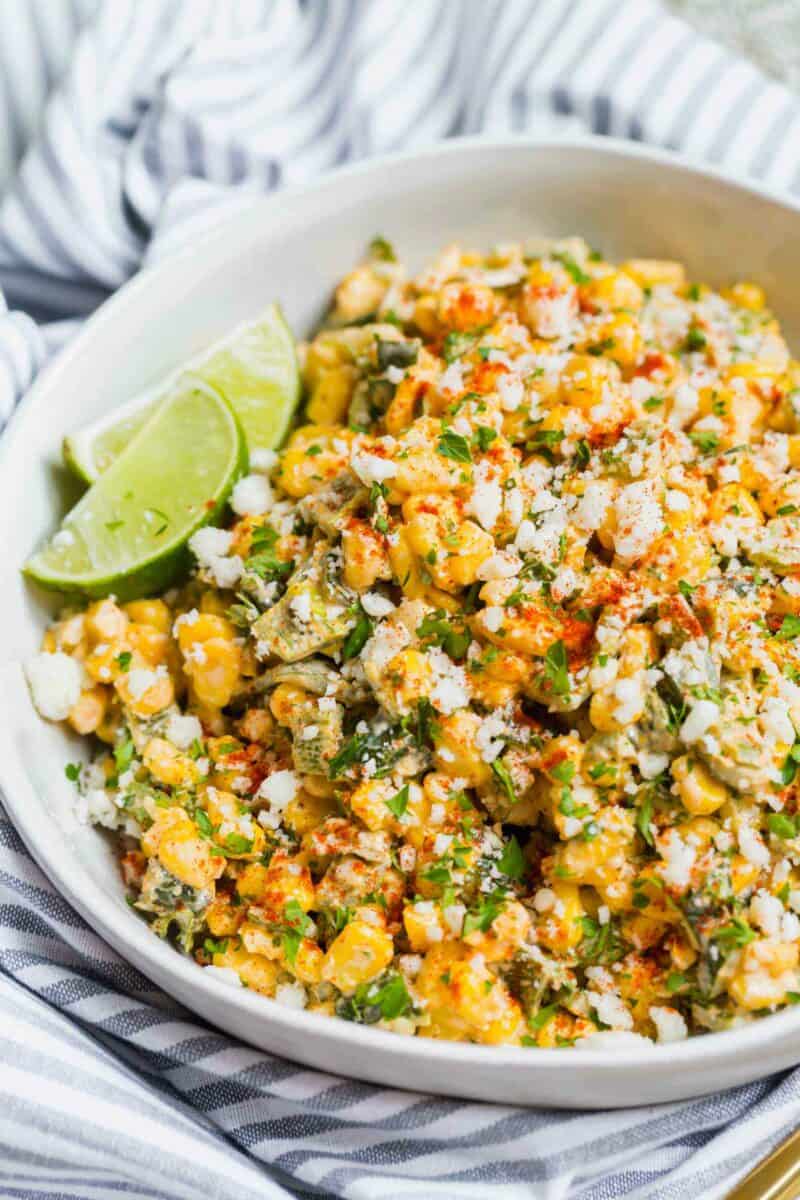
{"x": 512, "y": 861}
{"x": 453, "y": 445}
{"x": 398, "y": 803}
{"x": 555, "y": 668}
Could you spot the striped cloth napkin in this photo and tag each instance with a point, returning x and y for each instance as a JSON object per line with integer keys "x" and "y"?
{"x": 161, "y": 116}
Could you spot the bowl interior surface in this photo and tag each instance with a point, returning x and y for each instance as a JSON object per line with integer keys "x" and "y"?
{"x": 294, "y": 247}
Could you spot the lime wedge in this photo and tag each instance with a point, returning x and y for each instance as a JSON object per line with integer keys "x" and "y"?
{"x": 255, "y": 368}
{"x": 127, "y": 535}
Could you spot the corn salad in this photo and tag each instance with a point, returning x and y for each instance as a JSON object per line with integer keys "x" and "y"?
{"x": 480, "y": 721}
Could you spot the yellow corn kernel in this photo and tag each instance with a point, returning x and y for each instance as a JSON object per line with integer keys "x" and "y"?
{"x": 456, "y": 751}
{"x": 407, "y": 572}
{"x": 145, "y": 699}
{"x": 287, "y": 879}
{"x": 223, "y": 917}
{"x": 102, "y": 663}
{"x": 213, "y": 603}
{"x": 423, "y": 925}
{"x": 651, "y": 271}
{"x": 734, "y": 500}
{"x": 604, "y": 861}
{"x": 614, "y": 290}
{"x": 105, "y": 621}
{"x": 215, "y": 675}
{"x": 767, "y": 972}
{"x": 308, "y": 962}
{"x": 306, "y": 811}
{"x": 358, "y": 954}
{"x": 331, "y": 396}
{"x": 174, "y": 839}
{"x": 746, "y": 295}
{"x": 425, "y": 317}
{"x": 410, "y": 675}
{"x": 167, "y": 764}
{"x": 202, "y": 627}
{"x": 252, "y": 882}
{"x": 743, "y": 873}
{"x": 619, "y": 338}
{"x": 700, "y": 793}
{"x": 237, "y": 831}
{"x": 285, "y": 702}
{"x": 148, "y": 644}
{"x": 368, "y": 802}
{"x": 687, "y": 557}
{"x": 68, "y": 635}
{"x": 301, "y": 472}
{"x": 639, "y": 648}
{"x": 253, "y": 969}
{"x": 794, "y": 449}
{"x": 465, "y": 306}
{"x": 561, "y": 928}
{"x": 602, "y": 709}
{"x": 90, "y": 710}
{"x": 359, "y": 294}
{"x": 150, "y": 612}
{"x": 507, "y": 932}
{"x": 365, "y": 558}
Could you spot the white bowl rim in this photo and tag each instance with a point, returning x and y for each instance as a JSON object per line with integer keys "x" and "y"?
{"x": 142, "y": 947}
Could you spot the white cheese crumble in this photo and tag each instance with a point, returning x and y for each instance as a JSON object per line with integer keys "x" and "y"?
{"x": 639, "y": 520}
{"x": 55, "y": 683}
{"x": 251, "y": 496}
{"x": 611, "y": 1010}
{"x": 183, "y": 730}
{"x": 679, "y": 858}
{"x": 263, "y": 461}
{"x": 593, "y": 505}
{"x": 376, "y": 605}
{"x": 225, "y": 975}
{"x": 501, "y": 565}
{"x": 370, "y": 468}
{"x": 300, "y": 607}
{"x": 279, "y": 788}
{"x": 703, "y": 716}
{"x": 291, "y": 995}
{"x": 752, "y": 847}
{"x": 670, "y": 1025}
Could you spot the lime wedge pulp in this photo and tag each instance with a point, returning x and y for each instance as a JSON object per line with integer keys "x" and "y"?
{"x": 127, "y": 535}
{"x": 255, "y": 368}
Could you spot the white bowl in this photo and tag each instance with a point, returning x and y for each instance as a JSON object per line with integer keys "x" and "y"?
{"x": 293, "y": 247}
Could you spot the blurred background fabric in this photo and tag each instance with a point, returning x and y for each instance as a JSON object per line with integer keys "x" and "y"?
{"x": 126, "y": 130}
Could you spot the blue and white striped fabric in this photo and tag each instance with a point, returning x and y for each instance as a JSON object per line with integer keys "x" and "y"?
{"x": 160, "y": 116}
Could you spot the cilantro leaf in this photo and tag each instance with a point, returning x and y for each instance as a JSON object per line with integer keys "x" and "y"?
{"x": 453, "y": 445}
{"x": 555, "y": 668}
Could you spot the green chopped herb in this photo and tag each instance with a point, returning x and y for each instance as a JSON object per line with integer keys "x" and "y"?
{"x": 453, "y": 445}
{"x": 398, "y": 803}
{"x": 123, "y": 755}
{"x": 501, "y": 773}
{"x": 789, "y": 630}
{"x": 512, "y": 861}
{"x": 781, "y": 825}
{"x": 555, "y": 668}
{"x": 695, "y": 340}
{"x": 483, "y": 437}
{"x": 382, "y": 250}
